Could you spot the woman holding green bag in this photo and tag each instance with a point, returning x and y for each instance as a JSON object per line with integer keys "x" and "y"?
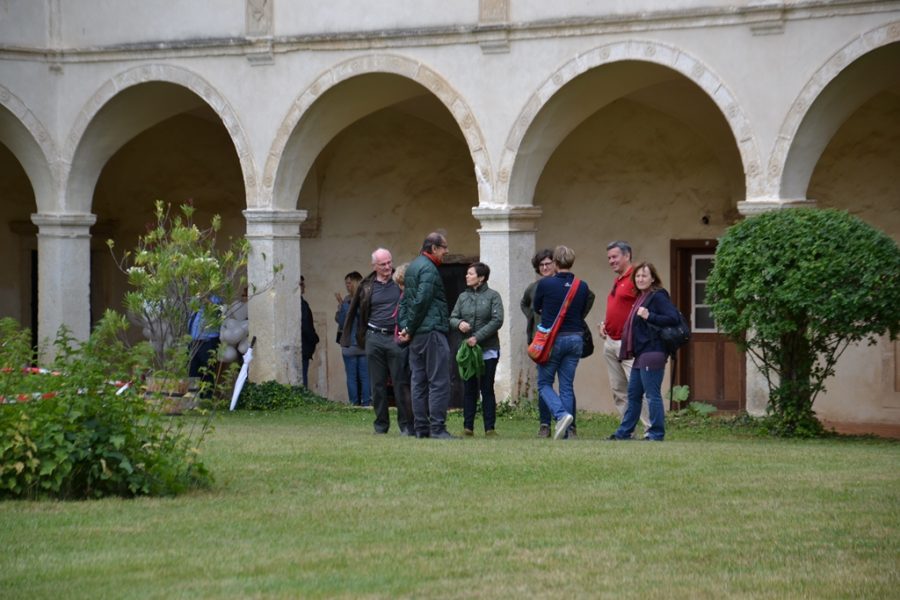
{"x": 478, "y": 315}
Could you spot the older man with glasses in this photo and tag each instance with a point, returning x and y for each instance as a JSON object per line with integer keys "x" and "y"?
{"x": 618, "y": 305}
{"x": 425, "y": 321}
{"x": 376, "y": 302}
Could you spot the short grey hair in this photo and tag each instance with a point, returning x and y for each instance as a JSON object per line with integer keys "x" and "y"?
{"x": 625, "y": 247}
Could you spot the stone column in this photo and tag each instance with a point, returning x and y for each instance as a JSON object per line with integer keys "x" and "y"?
{"x": 507, "y": 245}
{"x": 757, "y": 389}
{"x": 755, "y": 206}
{"x": 274, "y": 308}
{"x": 64, "y": 276}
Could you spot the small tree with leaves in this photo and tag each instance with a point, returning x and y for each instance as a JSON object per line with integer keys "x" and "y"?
{"x": 794, "y": 288}
{"x": 176, "y": 269}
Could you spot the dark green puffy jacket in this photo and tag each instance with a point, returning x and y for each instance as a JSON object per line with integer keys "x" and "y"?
{"x": 424, "y": 304}
{"x": 482, "y": 309}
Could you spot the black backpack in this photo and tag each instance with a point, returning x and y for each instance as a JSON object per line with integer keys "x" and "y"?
{"x": 673, "y": 337}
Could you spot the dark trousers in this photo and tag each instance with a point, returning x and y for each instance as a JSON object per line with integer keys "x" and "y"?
{"x": 429, "y": 361}
{"x": 386, "y": 360}
{"x": 485, "y": 385}
{"x": 200, "y": 365}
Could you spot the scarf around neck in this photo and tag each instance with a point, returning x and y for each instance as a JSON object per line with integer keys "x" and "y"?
{"x": 626, "y": 351}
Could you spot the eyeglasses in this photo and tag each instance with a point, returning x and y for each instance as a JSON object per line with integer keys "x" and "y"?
{"x": 545, "y": 265}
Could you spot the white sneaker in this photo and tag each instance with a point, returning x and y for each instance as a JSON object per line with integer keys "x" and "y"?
{"x": 562, "y": 426}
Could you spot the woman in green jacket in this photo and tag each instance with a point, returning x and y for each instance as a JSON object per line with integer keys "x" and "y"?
{"x": 478, "y": 314}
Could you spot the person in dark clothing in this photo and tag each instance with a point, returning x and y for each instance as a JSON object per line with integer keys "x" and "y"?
{"x": 639, "y": 341}
{"x": 375, "y": 306}
{"x": 567, "y": 347}
{"x": 424, "y": 322}
{"x": 478, "y": 315}
{"x": 544, "y": 266}
{"x": 308, "y": 336}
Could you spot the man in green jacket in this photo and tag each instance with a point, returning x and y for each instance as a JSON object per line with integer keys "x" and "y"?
{"x": 424, "y": 323}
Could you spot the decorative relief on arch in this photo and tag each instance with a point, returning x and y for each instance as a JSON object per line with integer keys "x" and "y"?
{"x": 174, "y": 75}
{"x": 38, "y": 133}
{"x": 865, "y": 43}
{"x": 644, "y": 51}
{"x": 380, "y": 63}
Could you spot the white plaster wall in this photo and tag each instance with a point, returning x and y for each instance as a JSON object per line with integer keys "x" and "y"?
{"x": 86, "y": 23}
{"x": 336, "y": 16}
{"x": 858, "y": 173}
{"x": 535, "y": 10}
{"x": 186, "y": 158}
{"x": 627, "y": 173}
{"x": 16, "y": 205}
{"x": 23, "y": 23}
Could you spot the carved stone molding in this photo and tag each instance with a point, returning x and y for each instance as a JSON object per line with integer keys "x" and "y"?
{"x": 259, "y": 18}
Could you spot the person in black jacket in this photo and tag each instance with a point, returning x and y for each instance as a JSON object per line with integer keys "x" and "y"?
{"x": 653, "y": 308}
{"x": 308, "y": 336}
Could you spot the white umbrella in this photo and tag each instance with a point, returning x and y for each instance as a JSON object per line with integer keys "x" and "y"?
{"x": 242, "y": 376}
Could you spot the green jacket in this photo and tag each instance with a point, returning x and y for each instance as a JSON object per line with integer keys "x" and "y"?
{"x": 483, "y": 310}
{"x": 424, "y": 304}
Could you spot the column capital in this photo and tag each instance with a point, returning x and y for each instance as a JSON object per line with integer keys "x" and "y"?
{"x": 282, "y": 224}
{"x": 64, "y": 225}
{"x": 756, "y": 206}
{"x": 495, "y": 219}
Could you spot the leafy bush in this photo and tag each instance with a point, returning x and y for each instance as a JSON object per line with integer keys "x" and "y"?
{"x": 793, "y": 288}
{"x": 176, "y": 270}
{"x": 77, "y": 436}
{"x": 271, "y": 395}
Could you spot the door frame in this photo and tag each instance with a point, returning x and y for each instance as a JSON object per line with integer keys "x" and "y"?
{"x": 681, "y": 296}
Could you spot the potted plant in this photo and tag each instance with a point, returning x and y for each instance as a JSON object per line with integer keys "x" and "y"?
{"x": 178, "y": 271}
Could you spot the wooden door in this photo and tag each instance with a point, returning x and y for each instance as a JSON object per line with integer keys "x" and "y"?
{"x": 711, "y": 365}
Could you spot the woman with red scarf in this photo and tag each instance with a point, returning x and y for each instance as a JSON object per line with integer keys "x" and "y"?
{"x": 653, "y": 308}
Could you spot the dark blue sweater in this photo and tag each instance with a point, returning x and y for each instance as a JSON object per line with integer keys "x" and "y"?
{"x": 548, "y": 299}
{"x": 662, "y": 313}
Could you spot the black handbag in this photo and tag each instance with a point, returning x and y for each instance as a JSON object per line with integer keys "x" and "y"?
{"x": 587, "y": 346}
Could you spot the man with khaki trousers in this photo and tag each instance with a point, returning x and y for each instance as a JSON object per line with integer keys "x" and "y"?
{"x": 618, "y": 305}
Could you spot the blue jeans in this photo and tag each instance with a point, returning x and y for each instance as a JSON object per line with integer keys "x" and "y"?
{"x": 644, "y": 382}
{"x": 357, "y": 372}
{"x": 563, "y": 361}
{"x": 544, "y": 415}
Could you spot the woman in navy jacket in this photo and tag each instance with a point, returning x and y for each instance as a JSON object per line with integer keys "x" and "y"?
{"x": 653, "y": 307}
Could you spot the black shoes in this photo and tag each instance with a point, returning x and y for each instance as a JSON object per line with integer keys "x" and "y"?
{"x": 443, "y": 435}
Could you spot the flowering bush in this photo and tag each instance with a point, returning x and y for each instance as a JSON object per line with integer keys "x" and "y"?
{"x": 82, "y": 430}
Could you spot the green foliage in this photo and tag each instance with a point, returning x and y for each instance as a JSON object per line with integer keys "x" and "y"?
{"x": 679, "y": 393}
{"x": 176, "y": 269}
{"x": 271, "y": 395}
{"x": 79, "y": 438}
{"x": 794, "y": 288}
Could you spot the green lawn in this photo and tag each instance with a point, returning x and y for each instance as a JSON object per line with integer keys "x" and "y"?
{"x": 310, "y": 504}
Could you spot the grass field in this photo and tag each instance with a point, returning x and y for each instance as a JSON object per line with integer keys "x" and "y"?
{"x": 308, "y": 503}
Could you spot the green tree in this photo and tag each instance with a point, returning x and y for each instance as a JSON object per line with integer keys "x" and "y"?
{"x": 176, "y": 269}
{"x": 794, "y": 288}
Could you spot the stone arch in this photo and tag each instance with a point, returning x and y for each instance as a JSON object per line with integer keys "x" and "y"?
{"x": 309, "y": 125}
{"x": 516, "y": 180}
{"x": 29, "y": 141}
{"x": 87, "y": 148}
{"x": 868, "y": 64}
